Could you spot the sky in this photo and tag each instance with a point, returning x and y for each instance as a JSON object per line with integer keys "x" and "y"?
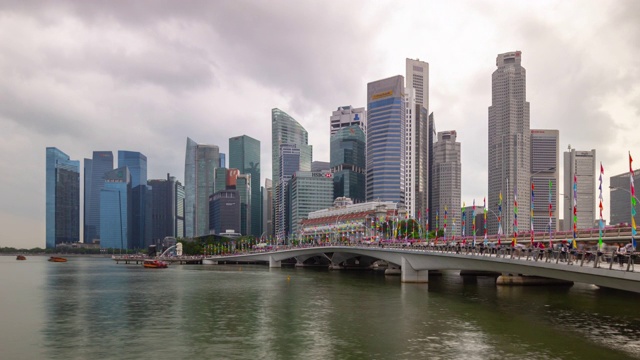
{"x": 145, "y": 75}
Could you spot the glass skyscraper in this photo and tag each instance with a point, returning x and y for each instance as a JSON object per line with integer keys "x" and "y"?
{"x": 116, "y": 210}
{"x": 200, "y": 163}
{"x": 94, "y": 171}
{"x": 164, "y": 208}
{"x": 385, "y": 140}
{"x": 286, "y": 130}
{"x": 62, "y": 198}
{"x": 140, "y": 202}
{"x": 348, "y": 163}
{"x": 244, "y": 155}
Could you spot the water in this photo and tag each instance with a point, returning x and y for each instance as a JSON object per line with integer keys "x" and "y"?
{"x": 91, "y": 308}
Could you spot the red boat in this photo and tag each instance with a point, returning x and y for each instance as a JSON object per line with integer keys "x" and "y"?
{"x": 154, "y": 264}
{"x": 57, "y": 259}
{"x": 21, "y": 257}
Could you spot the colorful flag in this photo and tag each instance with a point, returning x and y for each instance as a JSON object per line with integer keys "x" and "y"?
{"x": 444, "y": 231}
{"x": 575, "y": 210}
{"x": 601, "y": 223}
{"x": 499, "y": 217}
{"x": 633, "y": 203}
{"x": 473, "y": 223}
{"x": 463, "y": 223}
{"x": 484, "y": 206}
{"x": 531, "y": 218}
{"x": 514, "y": 241}
{"x": 550, "y": 214}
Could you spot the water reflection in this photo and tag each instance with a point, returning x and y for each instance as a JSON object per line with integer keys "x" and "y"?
{"x": 96, "y": 309}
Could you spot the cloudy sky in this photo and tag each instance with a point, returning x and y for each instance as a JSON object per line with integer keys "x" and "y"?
{"x": 144, "y": 75}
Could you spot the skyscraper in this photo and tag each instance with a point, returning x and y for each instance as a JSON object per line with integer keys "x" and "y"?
{"x": 165, "y": 208}
{"x": 347, "y": 116}
{"x": 309, "y": 191}
{"x": 418, "y": 79}
{"x": 289, "y": 164}
{"x": 94, "y": 171}
{"x": 62, "y": 198}
{"x": 200, "y": 162}
{"x": 267, "y": 208}
{"x": 447, "y": 180}
{"x": 620, "y": 197}
{"x": 243, "y": 186}
{"x": 545, "y": 170}
{"x": 286, "y": 130}
{"x": 385, "y": 140}
{"x": 582, "y": 166}
{"x": 244, "y": 155}
{"x": 432, "y": 137}
{"x": 348, "y": 163}
{"x": 140, "y": 203}
{"x": 116, "y": 216}
{"x": 509, "y": 145}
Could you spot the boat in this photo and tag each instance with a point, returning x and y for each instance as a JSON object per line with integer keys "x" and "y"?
{"x": 57, "y": 259}
{"x": 154, "y": 264}
{"x": 21, "y": 257}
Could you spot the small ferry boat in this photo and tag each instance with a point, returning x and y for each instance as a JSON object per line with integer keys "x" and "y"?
{"x": 21, "y": 257}
{"x": 154, "y": 264}
{"x": 57, "y": 259}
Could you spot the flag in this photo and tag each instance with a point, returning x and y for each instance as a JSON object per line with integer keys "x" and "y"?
{"x": 550, "y": 213}
{"x": 484, "y": 206}
{"x": 633, "y": 202}
{"x": 531, "y": 217}
{"x": 600, "y": 223}
{"x": 463, "y": 223}
{"x": 473, "y": 223}
{"x": 499, "y": 217}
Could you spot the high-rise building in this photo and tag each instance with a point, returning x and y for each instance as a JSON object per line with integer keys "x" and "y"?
{"x": 179, "y": 210}
{"x": 309, "y": 191}
{"x": 200, "y": 163}
{"x": 347, "y": 116}
{"x": 94, "y": 171}
{"x": 243, "y": 186}
{"x": 116, "y": 206}
{"x": 317, "y": 166}
{"x": 165, "y": 208}
{"x": 224, "y": 212}
{"x": 447, "y": 179}
{"x": 581, "y": 166}
{"x": 418, "y": 79}
{"x": 220, "y": 179}
{"x": 620, "y": 197}
{"x": 416, "y": 158}
{"x": 289, "y": 163}
{"x": 509, "y": 145}
{"x": 223, "y": 160}
{"x": 286, "y": 130}
{"x": 348, "y": 163}
{"x": 244, "y": 155}
{"x": 385, "y": 140}
{"x": 432, "y": 137}
{"x": 62, "y": 198}
{"x": 545, "y": 170}
{"x": 267, "y": 209}
{"x": 141, "y": 205}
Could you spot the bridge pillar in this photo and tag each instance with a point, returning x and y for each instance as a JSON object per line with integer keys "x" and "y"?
{"x": 410, "y": 275}
{"x": 273, "y": 263}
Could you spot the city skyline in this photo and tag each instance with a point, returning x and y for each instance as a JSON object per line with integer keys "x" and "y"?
{"x": 120, "y": 84}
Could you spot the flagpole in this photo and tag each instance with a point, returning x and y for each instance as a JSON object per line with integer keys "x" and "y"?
{"x": 633, "y": 203}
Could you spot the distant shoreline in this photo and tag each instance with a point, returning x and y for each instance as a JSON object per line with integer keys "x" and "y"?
{"x": 59, "y": 254}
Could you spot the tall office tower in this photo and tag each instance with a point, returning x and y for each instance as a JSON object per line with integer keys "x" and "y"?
{"x": 223, "y": 160}
{"x": 94, "y": 171}
{"x": 243, "y": 186}
{"x": 164, "y": 208}
{"x": 224, "y": 212}
{"x": 418, "y": 79}
{"x": 62, "y": 198}
{"x": 290, "y": 160}
{"x": 267, "y": 209}
{"x": 385, "y": 140}
{"x": 620, "y": 197}
{"x": 200, "y": 163}
{"x": 140, "y": 203}
{"x": 447, "y": 180}
{"x": 348, "y": 163}
{"x": 347, "y": 116}
{"x": 431, "y": 215}
{"x": 286, "y": 130}
{"x": 179, "y": 210}
{"x": 116, "y": 210}
{"x": 582, "y": 165}
{"x": 220, "y": 179}
{"x": 545, "y": 174}
{"x": 509, "y": 145}
{"x": 410, "y": 154}
{"x": 309, "y": 191}
{"x": 244, "y": 154}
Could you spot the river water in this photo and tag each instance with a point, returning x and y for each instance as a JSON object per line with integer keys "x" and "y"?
{"x": 91, "y": 308}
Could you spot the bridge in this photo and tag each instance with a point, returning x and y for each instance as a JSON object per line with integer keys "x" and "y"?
{"x": 415, "y": 261}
